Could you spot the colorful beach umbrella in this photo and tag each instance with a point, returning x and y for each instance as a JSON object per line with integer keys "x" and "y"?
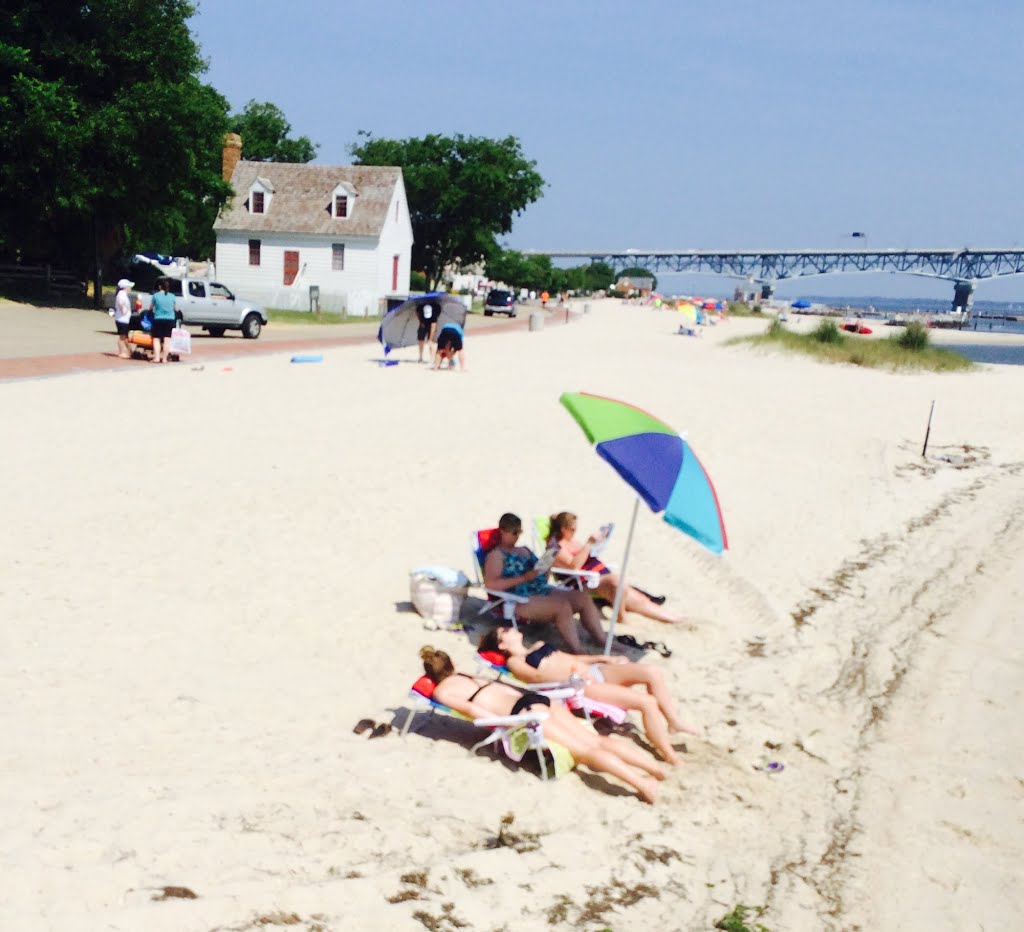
{"x": 658, "y": 464}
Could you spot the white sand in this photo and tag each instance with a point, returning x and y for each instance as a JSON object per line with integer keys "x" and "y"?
{"x": 179, "y": 682}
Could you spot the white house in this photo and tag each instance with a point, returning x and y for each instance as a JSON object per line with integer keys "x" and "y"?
{"x": 342, "y": 228}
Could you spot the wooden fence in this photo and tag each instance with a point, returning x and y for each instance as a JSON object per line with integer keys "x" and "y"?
{"x": 42, "y": 281}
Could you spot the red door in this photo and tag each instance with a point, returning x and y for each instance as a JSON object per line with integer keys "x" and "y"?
{"x": 394, "y": 273}
{"x": 291, "y": 265}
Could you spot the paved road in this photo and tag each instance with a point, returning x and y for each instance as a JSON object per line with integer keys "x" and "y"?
{"x": 42, "y": 341}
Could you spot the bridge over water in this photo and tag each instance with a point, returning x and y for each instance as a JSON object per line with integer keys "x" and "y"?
{"x": 963, "y": 267}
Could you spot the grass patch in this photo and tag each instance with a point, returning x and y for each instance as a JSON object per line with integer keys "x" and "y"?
{"x": 307, "y": 317}
{"x": 910, "y": 349}
{"x": 736, "y": 921}
{"x": 739, "y": 309}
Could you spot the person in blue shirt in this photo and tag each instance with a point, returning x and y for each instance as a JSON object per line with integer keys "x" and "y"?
{"x": 163, "y": 306}
{"x": 449, "y": 342}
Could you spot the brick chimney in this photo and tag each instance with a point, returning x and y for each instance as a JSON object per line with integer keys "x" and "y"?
{"x": 232, "y": 153}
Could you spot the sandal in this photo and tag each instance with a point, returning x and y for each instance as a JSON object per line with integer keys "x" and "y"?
{"x": 380, "y": 731}
{"x": 627, "y": 640}
{"x": 658, "y": 646}
{"x": 365, "y": 724}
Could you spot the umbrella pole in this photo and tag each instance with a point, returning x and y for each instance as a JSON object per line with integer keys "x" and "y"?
{"x": 621, "y": 589}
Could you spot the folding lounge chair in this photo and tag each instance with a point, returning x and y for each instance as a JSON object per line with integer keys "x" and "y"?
{"x": 517, "y": 734}
{"x": 576, "y": 579}
{"x": 481, "y": 544}
{"x": 576, "y": 701}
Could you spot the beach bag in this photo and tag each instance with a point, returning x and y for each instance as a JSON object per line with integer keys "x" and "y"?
{"x": 181, "y": 341}
{"x": 437, "y": 593}
{"x": 146, "y": 321}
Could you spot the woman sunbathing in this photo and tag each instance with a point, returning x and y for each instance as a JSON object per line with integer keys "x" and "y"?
{"x": 572, "y": 555}
{"x": 509, "y": 568}
{"x": 484, "y": 698}
{"x": 606, "y": 679}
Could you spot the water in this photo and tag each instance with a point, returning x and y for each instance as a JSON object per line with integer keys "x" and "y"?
{"x": 986, "y": 352}
{"x": 984, "y": 319}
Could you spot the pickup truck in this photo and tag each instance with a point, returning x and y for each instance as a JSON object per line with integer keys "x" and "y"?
{"x": 212, "y": 306}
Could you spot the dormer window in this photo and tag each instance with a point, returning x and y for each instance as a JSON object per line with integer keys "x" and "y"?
{"x": 260, "y": 195}
{"x": 343, "y": 200}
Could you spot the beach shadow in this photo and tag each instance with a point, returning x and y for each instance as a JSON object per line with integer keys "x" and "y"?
{"x": 405, "y": 608}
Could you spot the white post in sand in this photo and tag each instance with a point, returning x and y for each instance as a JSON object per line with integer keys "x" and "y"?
{"x": 620, "y": 590}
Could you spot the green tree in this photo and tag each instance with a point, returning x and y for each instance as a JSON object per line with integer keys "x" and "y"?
{"x": 537, "y": 272}
{"x": 108, "y": 137}
{"x": 264, "y": 131}
{"x": 463, "y": 192}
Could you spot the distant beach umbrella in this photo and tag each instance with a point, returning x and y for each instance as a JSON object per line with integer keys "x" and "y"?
{"x": 801, "y": 303}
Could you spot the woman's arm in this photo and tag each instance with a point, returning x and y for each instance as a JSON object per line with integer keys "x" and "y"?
{"x": 567, "y": 560}
{"x": 493, "y": 578}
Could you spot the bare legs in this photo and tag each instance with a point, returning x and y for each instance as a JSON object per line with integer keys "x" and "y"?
{"x": 607, "y": 755}
{"x": 559, "y": 607}
{"x": 633, "y": 601}
{"x": 157, "y": 347}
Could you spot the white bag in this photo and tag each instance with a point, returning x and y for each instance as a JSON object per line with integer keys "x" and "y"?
{"x": 181, "y": 342}
{"x": 439, "y": 604}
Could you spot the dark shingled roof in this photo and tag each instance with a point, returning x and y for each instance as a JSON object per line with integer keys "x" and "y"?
{"x": 301, "y": 201}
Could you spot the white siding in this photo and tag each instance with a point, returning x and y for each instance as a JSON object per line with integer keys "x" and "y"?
{"x": 396, "y": 240}
{"x": 355, "y": 290}
{"x": 359, "y": 289}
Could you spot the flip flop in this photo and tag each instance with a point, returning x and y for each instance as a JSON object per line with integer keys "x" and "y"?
{"x": 628, "y": 640}
{"x": 658, "y": 646}
{"x": 364, "y": 724}
{"x": 380, "y": 731}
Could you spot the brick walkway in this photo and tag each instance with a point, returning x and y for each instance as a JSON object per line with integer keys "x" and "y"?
{"x": 208, "y": 348}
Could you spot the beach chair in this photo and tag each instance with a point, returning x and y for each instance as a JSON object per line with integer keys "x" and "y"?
{"x": 577, "y": 579}
{"x": 481, "y": 544}
{"x": 491, "y": 661}
{"x": 516, "y": 734}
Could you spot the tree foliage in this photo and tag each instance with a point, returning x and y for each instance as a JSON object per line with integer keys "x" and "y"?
{"x": 463, "y": 192}
{"x": 106, "y": 131}
{"x": 264, "y": 131}
{"x": 537, "y": 273}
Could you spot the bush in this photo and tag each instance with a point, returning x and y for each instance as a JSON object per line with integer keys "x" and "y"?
{"x": 417, "y": 281}
{"x": 775, "y": 328}
{"x": 827, "y": 332}
{"x": 915, "y": 337}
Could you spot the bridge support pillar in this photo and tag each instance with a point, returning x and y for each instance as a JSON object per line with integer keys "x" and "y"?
{"x": 767, "y": 291}
{"x": 963, "y": 301}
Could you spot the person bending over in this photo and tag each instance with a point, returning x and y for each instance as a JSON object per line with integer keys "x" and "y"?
{"x": 478, "y": 697}
{"x": 573, "y": 555}
{"x": 509, "y": 568}
{"x": 606, "y": 679}
{"x": 449, "y": 343}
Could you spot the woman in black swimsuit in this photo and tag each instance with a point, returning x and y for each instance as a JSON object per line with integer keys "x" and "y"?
{"x": 476, "y": 697}
{"x": 606, "y": 679}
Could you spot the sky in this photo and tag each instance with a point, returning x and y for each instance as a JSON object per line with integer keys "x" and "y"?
{"x": 681, "y": 124}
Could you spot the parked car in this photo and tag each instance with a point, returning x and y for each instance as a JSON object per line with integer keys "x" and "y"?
{"x": 214, "y": 307}
{"x": 500, "y": 302}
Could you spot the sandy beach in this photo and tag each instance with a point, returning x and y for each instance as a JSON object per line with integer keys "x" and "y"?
{"x": 206, "y": 587}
